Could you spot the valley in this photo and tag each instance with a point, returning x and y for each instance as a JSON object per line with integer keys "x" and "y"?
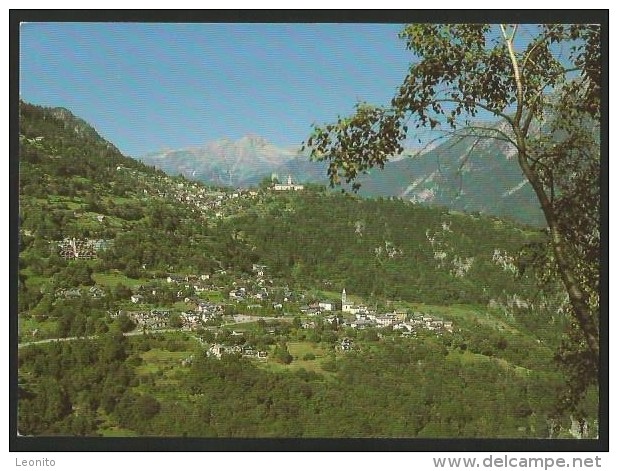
{"x": 253, "y": 312}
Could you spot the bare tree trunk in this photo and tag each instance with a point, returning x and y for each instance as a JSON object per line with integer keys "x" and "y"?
{"x": 580, "y": 307}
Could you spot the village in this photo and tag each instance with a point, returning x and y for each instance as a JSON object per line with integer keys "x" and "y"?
{"x": 222, "y": 299}
{"x": 254, "y": 302}
{"x": 195, "y": 303}
{"x": 217, "y": 202}
{"x": 213, "y": 203}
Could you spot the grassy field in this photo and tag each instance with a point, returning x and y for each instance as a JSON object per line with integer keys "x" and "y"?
{"x": 164, "y": 367}
{"x": 468, "y": 358}
{"x": 72, "y": 203}
{"x": 298, "y": 350}
{"x": 46, "y": 329}
{"x": 214, "y": 296}
{"x": 110, "y": 280}
{"x": 181, "y": 306}
{"x": 157, "y": 359}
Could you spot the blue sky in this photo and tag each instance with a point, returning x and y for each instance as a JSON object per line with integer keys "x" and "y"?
{"x": 146, "y": 87}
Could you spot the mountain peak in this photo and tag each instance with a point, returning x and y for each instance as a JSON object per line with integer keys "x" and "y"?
{"x": 225, "y": 161}
{"x": 254, "y": 139}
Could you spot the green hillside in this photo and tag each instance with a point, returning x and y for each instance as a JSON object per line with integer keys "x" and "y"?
{"x": 106, "y": 241}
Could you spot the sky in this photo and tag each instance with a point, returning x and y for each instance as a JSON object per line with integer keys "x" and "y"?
{"x": 147, "y": 87}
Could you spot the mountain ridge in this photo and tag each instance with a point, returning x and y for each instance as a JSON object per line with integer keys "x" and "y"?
{"x": 462, "y": 174}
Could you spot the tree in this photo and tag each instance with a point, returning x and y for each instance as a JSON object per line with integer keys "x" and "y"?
{"x": 175, "y": 321}
{"x": 124, "y": 323}
{"x": 121, "y": 292}
{"x": 543, "y": 86}
{"x": 113, "y": 347}
{"x": 282, "y": 354}
{"x": 267, "y": 182}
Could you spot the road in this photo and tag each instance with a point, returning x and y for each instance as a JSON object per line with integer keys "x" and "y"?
{"x": 92, "y": 337}
{"x": 238, "y": 319}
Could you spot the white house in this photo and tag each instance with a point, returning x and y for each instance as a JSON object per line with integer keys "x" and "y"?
{"x": 177, "y": 279}
{"x": 403, "y": 326}
{"x": 326, "y": 305}
{"x": 385, "y": 320}
{"x": 362, "y": 324}
{"x": 216, "y": 350}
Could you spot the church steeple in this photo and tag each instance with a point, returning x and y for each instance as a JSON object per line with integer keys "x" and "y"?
{"x": 344, "y": 297}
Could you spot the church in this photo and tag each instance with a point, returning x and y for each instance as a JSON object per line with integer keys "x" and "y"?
{"x": 348, "y": 306}
{"x": 345, "y": 305}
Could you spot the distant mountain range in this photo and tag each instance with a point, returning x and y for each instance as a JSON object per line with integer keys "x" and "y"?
{"x": 225, "y": 162}
{"x": 458, "y": 174}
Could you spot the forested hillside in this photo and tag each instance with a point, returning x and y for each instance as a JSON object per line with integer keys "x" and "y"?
{"x": 105, "y": 242}
{"x": 385, "y": 248}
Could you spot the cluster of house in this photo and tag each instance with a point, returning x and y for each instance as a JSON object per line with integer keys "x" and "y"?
{"x": 72, "y": 293}
{"x": 203, "y": 199}
{"x": 149, "y": 320}
{"x": 160, "y": 318}
{"x": 422, "y": 321}
{"x": 367, "y": 318}
{"x": 399, "y": 321}
{"x": 180, "y": 279}
{"x": 242, "y": 294}
{"x": 82, "y": 249}
{"x": 345, "y": 344}
{"x": 200, "y": 198}
{"x": 202, "y": 283}
{"x": 396, "y": 320}
{"x": 209, "y": 311}
{"x": 199, "y": 284}
{"x": 217, "y": 350}
{"x": 259, "y": 292}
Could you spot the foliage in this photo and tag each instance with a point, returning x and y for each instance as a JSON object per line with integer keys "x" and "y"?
{"x": 392, "y": 257}
{"x": 69, "y": 383}
{"x": 282, "y": 354}
{"x": 447, "y": 394}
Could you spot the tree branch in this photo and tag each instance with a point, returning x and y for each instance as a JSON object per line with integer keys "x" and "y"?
{"x": 480, "y": 105}
{"x": 516, "y": 74}
{"x": 536, "y": 44}
{"x": 462, "y": 133}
